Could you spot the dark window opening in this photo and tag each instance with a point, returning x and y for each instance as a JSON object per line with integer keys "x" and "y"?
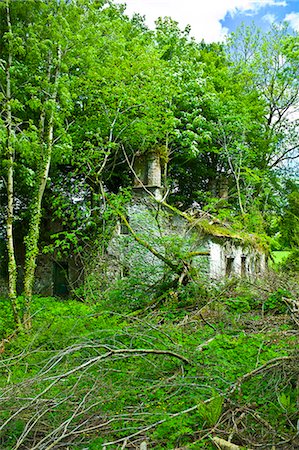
{"x": 125, "y": 271}
{"x": 243, "y": 266}
{"x": 257, "y": 265}
{"x": 229, "y": 266}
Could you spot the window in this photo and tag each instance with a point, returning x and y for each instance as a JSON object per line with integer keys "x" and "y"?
{"x": 229, "y": 265}
{"x": 123, "y": 229}
{"x": 243, "y": 266}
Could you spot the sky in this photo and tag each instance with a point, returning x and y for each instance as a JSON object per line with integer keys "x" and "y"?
{"x": 211, "y": 20}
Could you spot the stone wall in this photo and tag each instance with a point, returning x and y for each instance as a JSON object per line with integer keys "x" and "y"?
{"x": 228, "y": 259}
{"x": 166, "y": 232}
{"x": 171, "y": 235}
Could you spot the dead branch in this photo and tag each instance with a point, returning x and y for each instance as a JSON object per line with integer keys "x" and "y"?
{"x": 267, "y": 366}
{"x": 159, "y": 422}
{"x": 293, "y": 306}
{"x": 90, "y": 362}
{"x": 222, "y": 444}
{"x": 225, "y": 445}
{"x": 206, "y": 322}
{"x": 205, "y": 344}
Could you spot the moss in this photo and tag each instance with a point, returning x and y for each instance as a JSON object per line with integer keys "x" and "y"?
{"x": 222, "y": 231}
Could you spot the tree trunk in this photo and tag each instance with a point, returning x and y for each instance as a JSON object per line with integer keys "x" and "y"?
{"x": 12, "y": 267}
{"x": 32, "y": 238}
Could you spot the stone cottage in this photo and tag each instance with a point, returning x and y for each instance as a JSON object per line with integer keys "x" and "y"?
{"x": 212, "y": 248}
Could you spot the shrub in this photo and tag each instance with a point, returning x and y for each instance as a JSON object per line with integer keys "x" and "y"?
{"x": 291, "y": 264}
{"x": 238, "y": 304}
{"x": 275, "y": 302}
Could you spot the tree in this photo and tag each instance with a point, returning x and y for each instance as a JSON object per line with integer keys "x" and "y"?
{"x": 90, "y": 60}
{"x": 7, "y": 122}
{"x": 183, "y": 58}
{"x": 50, "y": 37}
{"x": 215, "y": 117}
{"x": 269, "y": 63}
{"x": 124, "y": 105}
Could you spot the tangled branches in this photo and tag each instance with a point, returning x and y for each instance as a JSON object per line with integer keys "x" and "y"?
{"x": 65, "y": 403}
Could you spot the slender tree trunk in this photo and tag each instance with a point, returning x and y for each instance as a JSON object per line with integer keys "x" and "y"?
{"x": 32, "y": 237}
{"x": 236, "y": 171}
{"x": 12, "y": 267}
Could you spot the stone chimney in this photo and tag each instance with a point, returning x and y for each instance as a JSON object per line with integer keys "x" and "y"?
{"x": 223, "y": 187}
{"x": 148, "y": 170}
{"x": 154, "y": 170}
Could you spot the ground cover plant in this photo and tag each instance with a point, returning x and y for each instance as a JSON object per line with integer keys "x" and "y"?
{"x": 191, "y": 373}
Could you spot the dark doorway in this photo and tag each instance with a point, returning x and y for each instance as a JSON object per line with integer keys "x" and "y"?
{"x": 257, "y": 265}
{"x": 60, "y": 279}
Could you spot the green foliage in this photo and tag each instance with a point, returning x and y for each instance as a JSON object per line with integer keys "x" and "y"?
{"x": 7, "y": 324}
{"x": 210, "y": 412}
{"x": 289, "y": 224}
{"x": 279, "y": 257}
{"x": 291, "y": 263}
{"x": 137, "y": 391}
{"x": 124, "y": 91}
{"x": 275, "y": 301}
{"x": 129, "y": 293}
{"x": 217, "y": 118}
{"x": 179, "y": 431}
{"x": 238, "y": 304}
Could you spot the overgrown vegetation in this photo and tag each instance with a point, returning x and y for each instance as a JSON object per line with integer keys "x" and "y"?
{"x": 155, "y": 353}
{"x": 196, "y": 368}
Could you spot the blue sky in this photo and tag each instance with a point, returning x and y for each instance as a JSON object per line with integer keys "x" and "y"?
{"x": 211, "y": 20}
{"x": 265, "y": 16}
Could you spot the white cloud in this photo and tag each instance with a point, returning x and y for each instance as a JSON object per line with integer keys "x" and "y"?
{"x": 204, "y": 16}
{"x": 269, "y": 18}
{"x": 293, "y": 19}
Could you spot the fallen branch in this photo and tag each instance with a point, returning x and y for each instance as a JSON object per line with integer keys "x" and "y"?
{"x": 123, "y": 351}
{"x": 293, "y": 306}
{"x": 154, "y": 352}
{"x": 221, "y": 443}
{"x": 159, "y": 422}
{"x": 56, "y": 378}
{"x": 267, "y": 366}
{"x": 225, "y": 445}
{"x": 204, "y": 344}
{"x": 207, "y": 323}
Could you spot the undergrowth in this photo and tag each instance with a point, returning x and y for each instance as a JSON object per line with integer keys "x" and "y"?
{"x": 177, "y": 371}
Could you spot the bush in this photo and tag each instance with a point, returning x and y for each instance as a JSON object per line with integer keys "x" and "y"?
{"x": 275, "y": 302}
{"x": 238, "y": 304}
{"x": 291, "y": 264}
{"x": 126, "y": 295}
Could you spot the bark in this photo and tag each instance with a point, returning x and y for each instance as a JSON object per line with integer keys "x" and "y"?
{"x": 236, "y": 171}
{"x": 12, "y": 267}
{"x": 32, "y": 238}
